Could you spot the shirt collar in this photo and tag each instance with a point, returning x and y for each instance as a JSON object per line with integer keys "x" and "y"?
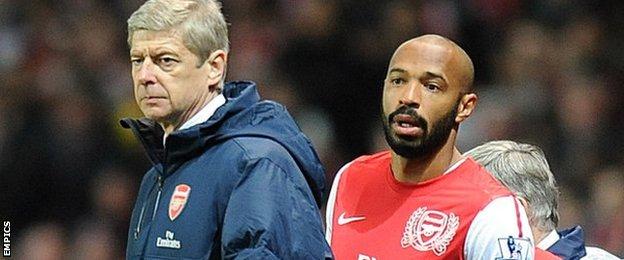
{"x": 548, "y": 240}
{"x": 203, "y": 115}
{"x": 455, "y": 165}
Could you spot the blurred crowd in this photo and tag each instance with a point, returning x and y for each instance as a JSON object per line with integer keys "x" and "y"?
{"x": 548, "y": 72}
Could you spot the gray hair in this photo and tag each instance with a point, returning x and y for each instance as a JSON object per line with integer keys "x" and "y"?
{"x": 200, "y": 22}
{"x": 524, "y": 170}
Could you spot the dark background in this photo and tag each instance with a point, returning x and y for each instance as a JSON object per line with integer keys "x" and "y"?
{"x": 547, "y": 73}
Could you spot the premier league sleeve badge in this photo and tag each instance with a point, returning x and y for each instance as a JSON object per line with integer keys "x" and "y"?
{"x": 513, "y": 248}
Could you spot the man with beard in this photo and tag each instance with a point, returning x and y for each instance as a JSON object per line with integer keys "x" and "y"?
{"x": 423, "y": 199}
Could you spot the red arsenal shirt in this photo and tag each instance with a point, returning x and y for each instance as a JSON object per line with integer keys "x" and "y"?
{"x": 462, "y": 214}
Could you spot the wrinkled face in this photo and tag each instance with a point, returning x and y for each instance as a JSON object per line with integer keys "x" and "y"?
{"x": 421, "y": 95}
{"x": 169, "y": 81}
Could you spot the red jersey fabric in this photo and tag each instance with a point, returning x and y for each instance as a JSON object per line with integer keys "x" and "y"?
{"x": 377, "y": 217}
{"x": 545, "y": 255}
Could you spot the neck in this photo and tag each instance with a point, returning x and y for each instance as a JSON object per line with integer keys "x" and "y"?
{"x": 427, "y": 167}
{"x": 170, "y": 126}
{"x": 539, "y": 235}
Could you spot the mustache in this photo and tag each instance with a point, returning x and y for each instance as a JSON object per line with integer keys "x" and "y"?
{"x": 410, "y": 111}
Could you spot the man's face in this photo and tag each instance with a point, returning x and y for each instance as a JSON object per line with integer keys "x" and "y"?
{"x": 420, "y": 98}
{"x": 169, "y": 81}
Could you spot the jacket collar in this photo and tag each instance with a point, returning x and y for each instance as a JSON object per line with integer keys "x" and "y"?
{"x": 150, "y": 134}
{"x": 187, "y": 143}
{"x": 243, "y": 115}
{"x": 571, "y": 244}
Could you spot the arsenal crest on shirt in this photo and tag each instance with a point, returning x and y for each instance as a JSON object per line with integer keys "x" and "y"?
{"x": 178, "y": 200}
{"x": 429, "y": 230}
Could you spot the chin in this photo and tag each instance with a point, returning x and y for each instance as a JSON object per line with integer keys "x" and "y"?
{"x": 153, "y": 115}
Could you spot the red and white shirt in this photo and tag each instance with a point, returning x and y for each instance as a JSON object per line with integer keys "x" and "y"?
{"x": 462, "y": 214}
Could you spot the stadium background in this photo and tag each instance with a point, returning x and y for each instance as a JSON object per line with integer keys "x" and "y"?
{"x": 548, "y": 73}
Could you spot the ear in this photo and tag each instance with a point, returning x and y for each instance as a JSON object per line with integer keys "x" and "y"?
{"x": 524, "y": 202}
{"x": 467, "y": 104}
{"x": 216, "y": 64}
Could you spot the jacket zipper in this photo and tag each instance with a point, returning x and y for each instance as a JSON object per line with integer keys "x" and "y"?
{"x": 160, "y": 184}
{"x": 138, "y": 228}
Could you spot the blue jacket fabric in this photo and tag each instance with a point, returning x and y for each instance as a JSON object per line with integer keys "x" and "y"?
{"x": 254, "y": 186}
{"x": 571, "y": 244}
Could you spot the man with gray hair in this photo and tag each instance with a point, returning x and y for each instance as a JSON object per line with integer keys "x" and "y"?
{"x": 523, "y": 168}
{"x": 232, "y": 176}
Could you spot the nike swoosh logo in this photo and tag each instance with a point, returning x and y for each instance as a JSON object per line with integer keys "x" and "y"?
{"x": 342, "y": 220}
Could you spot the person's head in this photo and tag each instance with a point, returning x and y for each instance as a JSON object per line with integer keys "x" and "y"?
{"x": 427, "y": 93}
{"x": 178, "y": 51}
{"x": 523, "y": 169}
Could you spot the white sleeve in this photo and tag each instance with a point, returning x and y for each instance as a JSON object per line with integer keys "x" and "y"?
{"x": 500, "y": 231}
{"x": 594, "y": 253}
{"x": 331, "y": 202}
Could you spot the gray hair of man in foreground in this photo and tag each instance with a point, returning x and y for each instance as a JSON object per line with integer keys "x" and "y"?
{"x": 200, "y": 23}
{"x": 524, "y": 170}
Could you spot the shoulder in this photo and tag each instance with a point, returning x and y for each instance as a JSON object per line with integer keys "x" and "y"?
{"x": 240, "y": 154}
{"x": 363, "y": 170}
{"x": 246, "y": 148}
{"x": 263, "y": 113}
{"x": 506, "y": 210}
{"x": 354, "y": 176}
{"x": 500, "y": 229}
{"x": 249, "y": 150}
{"x": 258, "y": 147}
{"x": 383, "y": 156}
{"x": 369, "y": 162}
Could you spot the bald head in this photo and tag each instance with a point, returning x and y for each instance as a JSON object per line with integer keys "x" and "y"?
{"x": 447, "y": 52}
{"x": 428, "y": 83}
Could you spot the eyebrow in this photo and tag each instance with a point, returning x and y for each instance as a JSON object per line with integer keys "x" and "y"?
{"x": 134, "y": 52}
{"x": 397, "y": 70}
{"x": 163, "y": 51}
{"x": 435, "y": 75}
{"x": 428, "y": 74}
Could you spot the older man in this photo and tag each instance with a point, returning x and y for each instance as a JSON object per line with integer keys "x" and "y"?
{"x": 233, "y": 176}
{"x": 524, "y": 170}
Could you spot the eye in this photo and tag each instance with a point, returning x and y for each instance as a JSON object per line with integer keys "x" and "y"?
{"x": 397, "y": 81}
{"x": 167, "y": 61}
{"x": 432, "y": 87}
{"x": 136, "y": 61}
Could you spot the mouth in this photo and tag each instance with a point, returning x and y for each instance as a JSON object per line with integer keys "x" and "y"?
{"x": 406, "y": 125}
{"x": 152, "y": 99}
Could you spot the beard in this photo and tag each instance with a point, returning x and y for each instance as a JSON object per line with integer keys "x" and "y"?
{"x": 430, "y": 141}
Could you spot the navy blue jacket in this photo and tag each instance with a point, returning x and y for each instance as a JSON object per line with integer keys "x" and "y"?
{"x": 245, "y": 184}
{"x": 571, "y": 244}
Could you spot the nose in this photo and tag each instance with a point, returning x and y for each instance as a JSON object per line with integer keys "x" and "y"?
{"x": 146, "y": 75}
{"x": 411, "y": 96}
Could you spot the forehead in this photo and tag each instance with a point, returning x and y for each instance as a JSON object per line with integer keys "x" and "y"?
{"x": 144, "y": 40}
{"x": 417, "y": 57}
